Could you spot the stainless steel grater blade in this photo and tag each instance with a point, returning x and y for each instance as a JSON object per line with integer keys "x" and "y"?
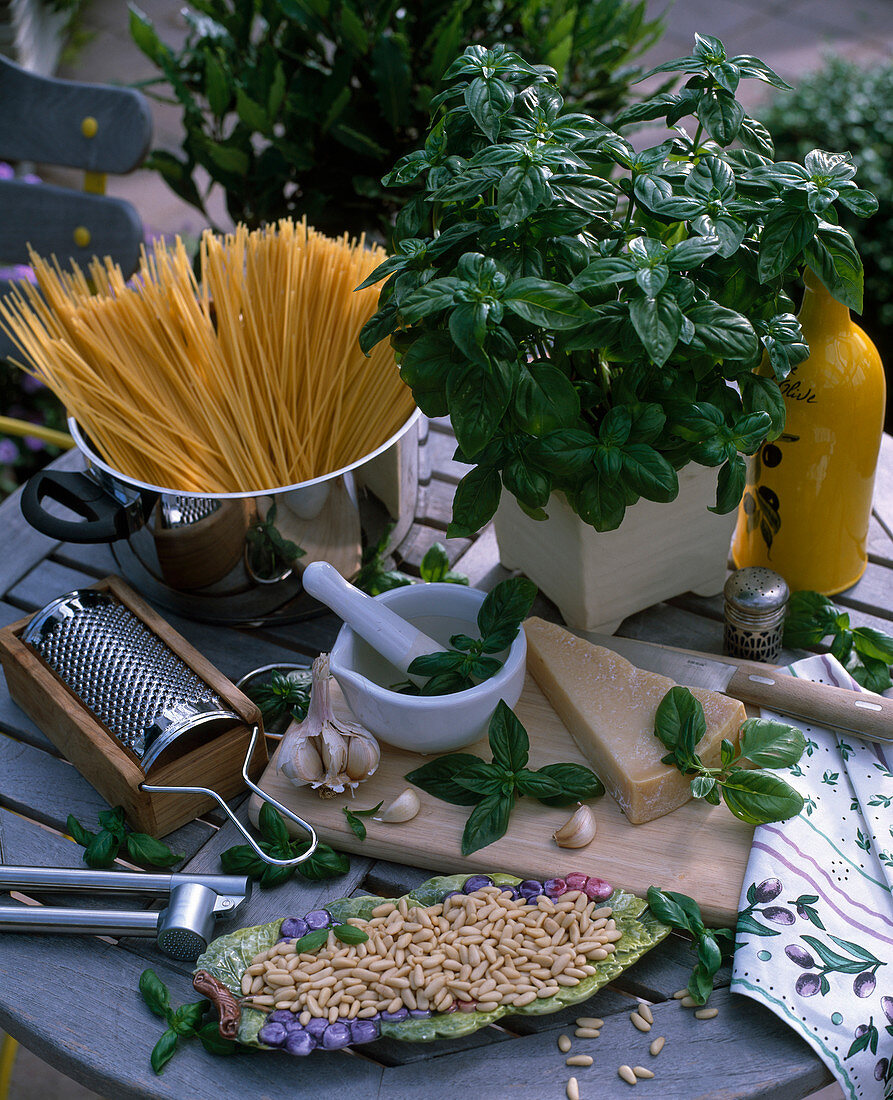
{"x": 140, "y": 690}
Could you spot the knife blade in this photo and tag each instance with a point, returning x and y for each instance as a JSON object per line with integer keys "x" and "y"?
{"x": 861, "y": 714}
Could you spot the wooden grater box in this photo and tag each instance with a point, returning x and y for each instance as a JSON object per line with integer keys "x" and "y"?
{"x": 107, "y": 764}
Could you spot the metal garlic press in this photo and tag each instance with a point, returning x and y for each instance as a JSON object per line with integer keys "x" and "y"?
{"x": 182, "y": 929}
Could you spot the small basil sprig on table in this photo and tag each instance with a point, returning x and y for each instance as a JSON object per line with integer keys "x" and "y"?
{"x": 186, "y": 1022}
{"x": 103, "y": 848}
{"x": 243, "y": 860}
{"x": 499, "y": 620}
{"x": 711, "y": 944}
{"x": 353, "y": 819}
{"x": 493, "y": 788}
{"x": 374, "y": 577}
{"x": 865, "y": 653}
{"x": 752, "y": 794}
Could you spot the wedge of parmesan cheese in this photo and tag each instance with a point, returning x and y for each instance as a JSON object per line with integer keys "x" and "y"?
{"x": 608, "y": 705}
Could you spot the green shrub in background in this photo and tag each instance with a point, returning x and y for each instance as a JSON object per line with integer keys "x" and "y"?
{"x": 847, "y": 106}
{"x": 298, "y": 107}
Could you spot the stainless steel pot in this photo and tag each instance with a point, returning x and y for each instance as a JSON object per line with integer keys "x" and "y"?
{"x": 233, "y": 558}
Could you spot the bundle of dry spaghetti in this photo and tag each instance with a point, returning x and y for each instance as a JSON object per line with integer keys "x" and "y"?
{"x": 249, "y": 378}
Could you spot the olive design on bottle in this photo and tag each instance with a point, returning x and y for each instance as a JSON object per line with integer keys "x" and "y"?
{"x": 760, "y": 502}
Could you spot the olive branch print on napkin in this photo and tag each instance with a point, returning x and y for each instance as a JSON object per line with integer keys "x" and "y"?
{"x": 815, "y": 926}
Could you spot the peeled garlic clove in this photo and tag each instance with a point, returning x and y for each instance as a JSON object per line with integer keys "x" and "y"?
{"x": 403, "y": 808}
{"x": 578, "y": 830}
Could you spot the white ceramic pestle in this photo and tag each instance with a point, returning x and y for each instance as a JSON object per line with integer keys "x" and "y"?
{"x": 393, "y": 637}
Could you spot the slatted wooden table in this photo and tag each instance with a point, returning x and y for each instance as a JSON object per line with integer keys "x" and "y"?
{"x": 74, "y": 1000}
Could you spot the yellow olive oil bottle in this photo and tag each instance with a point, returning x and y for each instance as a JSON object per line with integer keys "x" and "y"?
{"x": 807, "y": 504}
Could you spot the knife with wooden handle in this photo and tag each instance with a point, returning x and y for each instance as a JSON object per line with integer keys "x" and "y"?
{"x": 861, "y": 714}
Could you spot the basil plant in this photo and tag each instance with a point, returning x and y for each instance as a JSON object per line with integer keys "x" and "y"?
{"x": 590, "y": 316}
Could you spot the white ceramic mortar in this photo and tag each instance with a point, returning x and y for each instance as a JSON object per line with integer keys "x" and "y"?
{"x": 435, "y": 723}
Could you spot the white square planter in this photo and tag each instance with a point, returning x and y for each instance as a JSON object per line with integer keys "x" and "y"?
{"x": 597, "y": 579}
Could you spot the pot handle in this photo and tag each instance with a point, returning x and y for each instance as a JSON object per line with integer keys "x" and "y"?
{"x": 105, "y": 519}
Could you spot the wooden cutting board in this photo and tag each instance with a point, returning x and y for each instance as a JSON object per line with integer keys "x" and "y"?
{"x": 700, "y": 850}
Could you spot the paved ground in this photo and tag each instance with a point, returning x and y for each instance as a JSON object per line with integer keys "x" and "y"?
{"x": 789, "y": 35}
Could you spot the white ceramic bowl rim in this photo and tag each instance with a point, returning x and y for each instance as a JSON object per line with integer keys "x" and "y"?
{"x": 516, "y": 654}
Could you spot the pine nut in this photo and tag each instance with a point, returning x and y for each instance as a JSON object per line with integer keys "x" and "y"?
{"x": 564, "y": 1043}
{"x": 640, "y": 1071}
{"x": 658, "y": 1045}
{"x": 688, "y": 1002}
{"x": 706, "y": 1013}
{"x": 589, "y": 1021}
{"x": 680, "y": 993}
{"x": 578, "y": 1060}
{"x": 645, "y": 1012}
{"x": 587, "y": 1033}
{"x": 627, "y": 1074}
{"x": 525, "y": 999}
{"x": 638, "y": 1022}
{"x": 573, "y": 1089}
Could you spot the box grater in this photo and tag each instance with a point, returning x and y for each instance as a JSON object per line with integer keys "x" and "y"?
{"x": 118, "y": 691}
{"x": 140, "y": 690}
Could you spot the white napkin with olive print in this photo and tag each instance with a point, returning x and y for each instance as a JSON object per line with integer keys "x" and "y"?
{"x": 815, "y": 927}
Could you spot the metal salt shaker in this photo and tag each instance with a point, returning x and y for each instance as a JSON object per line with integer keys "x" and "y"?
{"x": 756, "y": 600}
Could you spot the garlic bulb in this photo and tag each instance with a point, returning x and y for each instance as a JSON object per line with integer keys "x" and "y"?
{"x": 578, "y": 830}
{"x": 402, "y": 808}
{"x": 322, "y": 750}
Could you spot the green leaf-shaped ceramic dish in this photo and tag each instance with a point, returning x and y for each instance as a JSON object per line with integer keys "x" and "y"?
{"x": 228, "y": 957}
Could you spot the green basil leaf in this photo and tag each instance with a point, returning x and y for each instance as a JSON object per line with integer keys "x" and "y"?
{"x": 433, "y": 664}
{"x": 356, "y": 825}
{"x": 702, "y": 786}
{"x": 478, "y": 399}
{"x": 482, "y": 778}
{"x": 810, "y": 616}
{"x": 604, "y": 271}
{"x": 658, "y": 323}
{"x": 730, "y": 486}
{"x": 438, "y": 778}
{"x": 475, "y": 502}
{"x": 487, "y": 822}
{"x": 545, "y": 399}
{"x": 114, "y": 821}
{"x": 435, "y": 564}
{"x": 577, "y": 783}
{"x": 213, "y": 1042}
{"x": 872, "y": 675}
{"x": 508, "y": 739}
{"x": 873, "y": 643}
{"x": 349, "y": 933}
{"x": 537, "y": 785}
{"x": 679, "y": 722}
{"x": 506, "y": 605}
{"x": 677, "y": 910}
{"x": 711, "y": 179}
{"x": 188, "y": 1017}
{"x": 242, "y": 860}
{"x": 447, "y": 683}
{"x": 273, "y": 875}
{"x": 700, "y": 984}
{"x": 649, "y": 473}
{"x": 521, "y": 191}
{"x": 311, "y": 941}
{"x": 155, "y": 993}
{"x": 549, "y": 305}
{"x": 786, "y": 234}
{"x": 771, "y": 744}
{"x": 324, "y": 863}
{"x": 146, "y": 849}
{"x": 271, "y": 825}
{"x": 163, "y": 1050}
{"x": 77, "y": 832}
{"x": 102, "y": 850}
{"x": 487, "y": 101}
{"x": 723, "y": 332}
{"x": 721, "y": 115}
{"x": 758, "y": 797}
